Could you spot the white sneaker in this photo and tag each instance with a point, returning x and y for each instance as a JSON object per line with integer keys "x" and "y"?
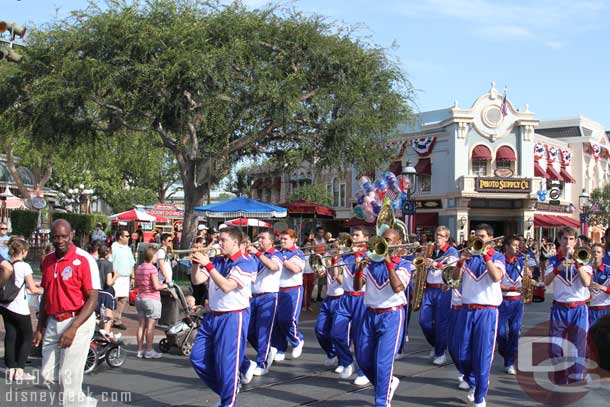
{"x": 296, "y": 352}
{"x": 339, "y": 369}
{"x": 470, "y": 395}
{"x": 407, "y": 338}
{"x": 247, "y": 377}
{"x": 511, "y": 370}
{"x": 361, "y": 381}
{"x": 393, "y": 386}
{"x": 439, "y": 360}
{"x": 259, "y": 371}
{"x": 280, "y": 356}
{"x": 347, "y": 372}
{"x": 152, "y": 355}
{"x": 271, "y": 356}
{"x": 463, "y": 384}
{"x": 481, "y": 404}
{"x": 330, "y": 361}
{"x": 140, "y": 354}
{"x": 399, "y": 356}
{"x": 432, "y": 353}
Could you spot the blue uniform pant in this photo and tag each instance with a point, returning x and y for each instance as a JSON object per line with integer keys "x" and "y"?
{"x": 570, "y": 324}
{"x": 433, "y": 318}
{"x": 218, "y": 351}
{"x": 263, "y": 309}
{"x": 407, "y": 318}
{"x": 286, "y": 327}
{"x": 379, "y": 341}
{"x": 509, "y": 324}
{"x": 475, "y": 332}
{"x": 324, "y": 324}
{"x": 452, "y": 344}
{"x": 595, "y": 314}
{"x": 347, "y": 326}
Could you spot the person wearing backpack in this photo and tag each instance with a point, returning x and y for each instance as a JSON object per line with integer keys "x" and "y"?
{"x": 16, "y": 311}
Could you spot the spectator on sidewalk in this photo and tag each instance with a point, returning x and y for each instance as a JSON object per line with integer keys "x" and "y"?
{"x": 4, "y": 238}
{"x": 164, "y": 264}
{"x": 106, "y": 302}
{"x": 98, "y": 234}
{"x": 122, "y": 262}
{"x": 70, "y": 279}
{"x": 148, "y": 303}
{"x": 16, "y": 314}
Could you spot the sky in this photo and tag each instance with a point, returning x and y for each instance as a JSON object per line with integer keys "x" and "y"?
{"x": 548, "y": 53}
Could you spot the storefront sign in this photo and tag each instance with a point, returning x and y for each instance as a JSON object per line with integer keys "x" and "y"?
{"x": 166, "y": 211}
{"x": 547, "y": 207}
{"x": 492, "y": 184}
{"x": 430, "y": 204}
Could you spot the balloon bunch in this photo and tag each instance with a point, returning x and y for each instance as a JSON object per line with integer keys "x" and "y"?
{"x": 370, "y": 196}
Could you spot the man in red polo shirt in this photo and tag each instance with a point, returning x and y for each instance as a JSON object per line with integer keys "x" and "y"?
{"x": 70, "y": 279}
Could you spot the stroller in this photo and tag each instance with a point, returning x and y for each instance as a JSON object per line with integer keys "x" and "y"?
{"x": 182, "y": 333}
{"x": 104, "y": 346}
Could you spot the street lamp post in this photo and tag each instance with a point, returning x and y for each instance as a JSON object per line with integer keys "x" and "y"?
{"x": 80, "y": 198}
{"x": 585, "y": 207}
{"x": 409, "y": 175}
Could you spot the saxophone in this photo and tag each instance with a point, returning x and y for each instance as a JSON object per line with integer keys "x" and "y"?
{"x": 421, "y": 274}
{"x": 527, "y": 283}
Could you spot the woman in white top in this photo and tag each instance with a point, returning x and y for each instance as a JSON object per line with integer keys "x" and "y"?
{"x": 16, "y": 314}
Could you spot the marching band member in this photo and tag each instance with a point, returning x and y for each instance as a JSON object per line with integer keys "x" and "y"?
{"x": 383, "y": 321}
{"x": 328, "y": 309}
{"x": 220, "y": 343}
{"x": 263, "y": 306}
{"x": 476, "y": 325}
{"x": 290, "y": 299}
{"x": 351, "y": 309}
{"x": 511, "y": 309}
{"x": 569, "y": 316}
{"x": 600, "y": 286}
{"x": 456, "y": 306}
{"x": 436, "y": 303}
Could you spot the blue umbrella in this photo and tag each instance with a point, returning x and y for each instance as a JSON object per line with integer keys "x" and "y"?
{"x": 242, "y": 207}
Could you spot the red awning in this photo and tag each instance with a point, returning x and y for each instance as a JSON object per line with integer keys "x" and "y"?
{"x": 426, "y": 219}
{"x": 538, "y": 171}
{"x": 423, "y": 167}
{"x": 309, "y": 208}
{"x": 566, "y": 176}
{"x": 552, "y": 173}
{"x": 355, "y": 221}
{"x": 481, "y": 152}
{"x": 505, "y": 153}
{"x": 554, "y": 221}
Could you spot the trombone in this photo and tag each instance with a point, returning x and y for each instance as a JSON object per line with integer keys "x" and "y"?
{"x": 210, "y": 251}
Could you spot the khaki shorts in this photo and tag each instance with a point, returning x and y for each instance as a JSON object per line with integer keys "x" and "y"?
{"x": 148, "y": 308}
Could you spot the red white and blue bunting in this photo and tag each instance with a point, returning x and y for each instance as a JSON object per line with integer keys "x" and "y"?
{"x": 552, "y": 153}
{"x": 566, "y": 158}
{"x": 596, "y": 149}
{"x": 539, "y": 151}
{"x": 423, "y": 146}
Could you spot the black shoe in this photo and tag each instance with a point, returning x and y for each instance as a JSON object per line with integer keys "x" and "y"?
{"x": 122, "y": 327}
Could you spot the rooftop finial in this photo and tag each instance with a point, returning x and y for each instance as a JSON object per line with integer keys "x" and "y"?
{"x": 455, "y": 103}
{"x": 493, "y": 92}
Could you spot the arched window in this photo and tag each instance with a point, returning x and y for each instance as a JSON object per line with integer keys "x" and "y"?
{"x": 481, "y": 159}
{"x": 505, "y": 158}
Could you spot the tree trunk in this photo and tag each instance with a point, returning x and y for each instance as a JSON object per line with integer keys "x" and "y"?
{"x": 193, "y": 196}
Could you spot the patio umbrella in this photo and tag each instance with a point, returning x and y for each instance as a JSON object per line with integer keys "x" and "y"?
{"x": 135, "y": 215}
{"x": 248, "y": 222}
{"x": 242, "y": 207}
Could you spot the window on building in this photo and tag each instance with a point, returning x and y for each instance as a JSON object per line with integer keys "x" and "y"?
{"x": 336, "y": 193}
{"x": 342, "y": 195}
{"x": 479, "y": 167}
{"x": 425, "y": 182}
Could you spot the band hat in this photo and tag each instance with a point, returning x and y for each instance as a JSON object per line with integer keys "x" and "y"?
{"x": 202, "y": 227}
{"x": 222, "y": 226}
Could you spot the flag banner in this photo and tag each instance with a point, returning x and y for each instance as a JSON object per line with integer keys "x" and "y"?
{"x": 566, "y": 158}
{"x": 539, "y": 151}
{"x": 423, "y": 146}
{"x": 552, "y": 154}
{"x": 596, "y": 150}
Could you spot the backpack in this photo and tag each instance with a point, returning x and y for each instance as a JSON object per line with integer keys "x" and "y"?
{"x": 9, "y": 291}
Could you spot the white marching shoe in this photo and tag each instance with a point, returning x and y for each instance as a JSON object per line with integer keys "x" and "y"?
{"x": 481, "y": 404}
{"x": 279, "y": 357}
{"x": 339, "y": 369}
{"x": 361, "y": 381}
{"x": 432, "y": 353}
{"x": 330, "y": 361}
{"x": 393, "y": 386}
{"x": 470, "y": 395}
{"x": 259, "y": 371}
{"x": 463, "y": 384}
{"x": 271, "y": 357}
{"x": 511, "y": 370}
{"x": 247, "y": 377}
{"x": 347, "y": 371}
{"x": 439, "y": 360}
{"x": 298, "y": 350}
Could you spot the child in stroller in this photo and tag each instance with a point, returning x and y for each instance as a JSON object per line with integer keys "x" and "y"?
{"x": 182, "y": 333}
{"x": 106, "y": 346}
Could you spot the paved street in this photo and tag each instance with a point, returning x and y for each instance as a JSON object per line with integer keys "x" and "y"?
{"x": 171, "y": 381}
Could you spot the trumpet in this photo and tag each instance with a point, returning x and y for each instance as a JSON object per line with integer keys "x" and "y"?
{"x": 582, "y": 255}
{"x": 316, "y": 262}
{"x": 210, "y": 251}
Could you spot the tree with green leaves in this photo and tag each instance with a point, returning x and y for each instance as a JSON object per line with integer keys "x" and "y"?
{"x": 316, "y": 193}
{"x": 600, "y": 206}
{"x": 216, "y": 83}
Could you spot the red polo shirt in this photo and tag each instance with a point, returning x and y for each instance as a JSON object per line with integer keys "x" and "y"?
{"x": 66, "y": 280}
